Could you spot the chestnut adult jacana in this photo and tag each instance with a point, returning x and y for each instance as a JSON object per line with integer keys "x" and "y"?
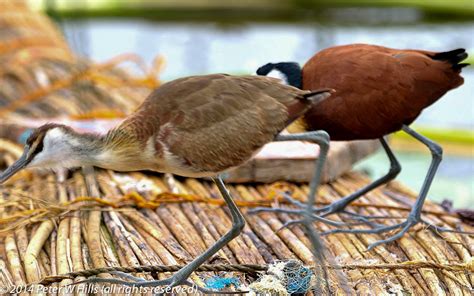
{"x": 197, "y": 126}
{"x": 379, "y": 91}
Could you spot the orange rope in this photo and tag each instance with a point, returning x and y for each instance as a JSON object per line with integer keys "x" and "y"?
{"x": 140, "y": 201}
{"x": 273, "y": 197}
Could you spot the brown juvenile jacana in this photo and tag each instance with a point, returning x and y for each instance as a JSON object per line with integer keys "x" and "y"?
{"x": 379, "y": 91}
{"x": 197, "y": 126}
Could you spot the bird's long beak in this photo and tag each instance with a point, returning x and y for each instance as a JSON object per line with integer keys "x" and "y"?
{"x": 15, "y": 167}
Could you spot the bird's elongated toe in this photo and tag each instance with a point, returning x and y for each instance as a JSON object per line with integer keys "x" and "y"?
{"x": 405, "y": 226}
{"x": 300, "y": 211}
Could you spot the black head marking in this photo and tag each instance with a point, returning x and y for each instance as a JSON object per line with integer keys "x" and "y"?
{"x": 40, "y": 132}
{"x": 291, "y": 70}
{"x": 265, "y": 69}
{"x": 34, "y": 145}
{"x": 38, "y": 136}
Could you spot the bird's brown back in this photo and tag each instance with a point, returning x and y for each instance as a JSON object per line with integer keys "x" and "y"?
{"x": 215, "y": 122}
{"x": 378, "y": 89}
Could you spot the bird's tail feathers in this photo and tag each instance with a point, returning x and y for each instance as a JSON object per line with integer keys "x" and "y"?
{"x": 455, "y": 57}
{"x": 317, "y": 96}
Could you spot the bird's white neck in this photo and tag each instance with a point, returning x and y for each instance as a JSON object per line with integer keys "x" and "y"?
{"x": 66, "y": 150}
{"x": 116, "y": 151}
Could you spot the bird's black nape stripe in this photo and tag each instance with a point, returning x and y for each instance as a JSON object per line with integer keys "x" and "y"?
{"x": 291, "y": 70}
{"x": 265, "y": 69}
{"x": 293, "y": 73}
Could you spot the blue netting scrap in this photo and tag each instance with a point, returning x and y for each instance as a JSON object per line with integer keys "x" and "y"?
{"x": 297, "y": 277}
{"x": 219, "y": 283}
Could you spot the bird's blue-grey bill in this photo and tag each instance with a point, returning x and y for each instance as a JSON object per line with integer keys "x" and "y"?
{"x": 14, "y": 168}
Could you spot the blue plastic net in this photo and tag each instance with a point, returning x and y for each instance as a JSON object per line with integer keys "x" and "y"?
{"x": 219, "y": 283}
{"x": 298, "y": 277}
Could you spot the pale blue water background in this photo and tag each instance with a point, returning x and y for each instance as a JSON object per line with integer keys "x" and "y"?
{"x": 198, "y": 48}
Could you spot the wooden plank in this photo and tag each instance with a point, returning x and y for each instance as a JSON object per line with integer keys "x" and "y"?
{"x": 295, "y": 162}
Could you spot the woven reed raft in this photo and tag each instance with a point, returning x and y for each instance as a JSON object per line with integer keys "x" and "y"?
{"x": 44, "y": 233}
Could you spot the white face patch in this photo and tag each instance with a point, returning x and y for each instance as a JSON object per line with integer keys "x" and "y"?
{"x": 57, "y": 151}
{"x": 275, "y": 73}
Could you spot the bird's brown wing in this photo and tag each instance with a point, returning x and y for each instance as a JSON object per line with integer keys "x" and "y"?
{"x": 215, "y": 122}
{"x": 378, "y": 89}
{"x": 431, "y": 78}
{"x": 369, "y": 84}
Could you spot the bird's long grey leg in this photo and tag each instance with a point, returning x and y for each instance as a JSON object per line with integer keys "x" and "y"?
{"x": 238, "y": 223}
{"x": 436, "y": 155}
{"x": 415, "y": 214}
{"x": 341, "y": 204}
{"x": 180, "y": 277}
{"x": 322, "y": 139}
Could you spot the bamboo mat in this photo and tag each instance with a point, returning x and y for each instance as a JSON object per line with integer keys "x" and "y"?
{"x": 43, "y": 235}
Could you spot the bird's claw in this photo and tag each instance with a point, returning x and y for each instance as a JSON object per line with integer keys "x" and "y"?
{"x": 412, "y": 220}
{"x": 405, "y": 225}
{"x": 334, "y": 208}
{"x": 323, "y": 212}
